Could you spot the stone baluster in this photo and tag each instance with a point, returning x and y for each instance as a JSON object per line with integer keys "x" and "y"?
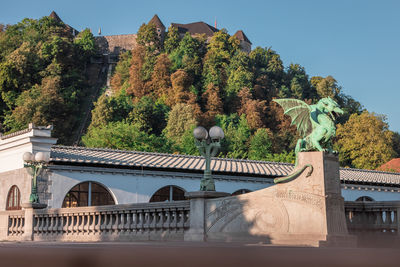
{"x": 20, "y": 225}
{"x": 141, "y": 220}
{"x": 152, "y": 219}
{"x": 128, "y": 221}
{"x": 181, "y": 221}
{"x": 134, "y": 224}
{"x": 60, "y": 224}
{"x": 70, "y": 223}
{"x": 97, "y": 217}
{"x": 109, "y": 221}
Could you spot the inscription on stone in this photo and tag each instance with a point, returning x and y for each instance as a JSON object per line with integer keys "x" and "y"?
{"x": 301, "y": 197}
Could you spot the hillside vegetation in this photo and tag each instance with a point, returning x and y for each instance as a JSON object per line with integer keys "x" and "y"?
{"x": 42, "y": 75}
{"x": 161, "y": 91}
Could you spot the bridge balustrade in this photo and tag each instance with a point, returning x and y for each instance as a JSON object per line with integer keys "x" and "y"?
{"x": 148, "y": 221}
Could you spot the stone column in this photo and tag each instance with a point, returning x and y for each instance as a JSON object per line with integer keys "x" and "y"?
{"x": 197, "y": 231}
{"x": 29, "y": 219}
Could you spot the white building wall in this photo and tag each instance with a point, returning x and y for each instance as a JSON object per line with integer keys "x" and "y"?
{"x": 378, "y": 194}
{"x": 136, "y": 187}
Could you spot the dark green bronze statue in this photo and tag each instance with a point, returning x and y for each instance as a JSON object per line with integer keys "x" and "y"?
{"x": 315, "y": 123}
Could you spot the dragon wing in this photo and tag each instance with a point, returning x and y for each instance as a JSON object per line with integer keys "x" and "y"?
{"x": 299, "y": 112}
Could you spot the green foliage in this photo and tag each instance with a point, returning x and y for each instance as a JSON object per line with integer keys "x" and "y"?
{"x": 149, "y": 116}
{"x": 172, "y": 40}
{"x": 260, "y": 145}
{"x": 202, "y": 81}
{"x": 41, "y": 75}
{"x": 181, "y": 120}
{"x": 86, "y": 44}
{"x": 123, "y": 135}
{"x": 111, "y": 109}
{"x": 219, "y": 52}
{"x": 364, "y": 141}
{"x": 237, "y": 134}
{"x": 239, "y": 75}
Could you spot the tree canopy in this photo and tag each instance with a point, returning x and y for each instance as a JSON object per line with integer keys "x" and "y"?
{"x": 162, "y": 89}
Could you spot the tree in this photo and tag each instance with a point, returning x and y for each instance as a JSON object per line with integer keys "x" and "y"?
{"x": 213, "y": 104}
{"x": 111, "y": 109}
{"x": 181, "y": 119}
{"x": 85, "y": 43}
{"x": 161, "y": 77}
{"x": 326, "y": 87}
{"x": 147, "y": 37}
{"x": 149, "y": 116}
{"x": 298, "y": 83}
{"x": 123, "y": 135}
{"x": 237, "y": 134}
{"x": 137, "y": 86}
{"x": 255, "y": 110}
{"x": 239, "y": 76}
{"x": 220, "y": 50}
{"x": 364, "y": 141}
{"x": 172, "y": 40}
{"x": 120, "y": 79}
{"x": 260, "y": 145}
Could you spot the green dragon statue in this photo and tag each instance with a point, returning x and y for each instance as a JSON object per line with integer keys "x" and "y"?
{"x": 315, "y": 123}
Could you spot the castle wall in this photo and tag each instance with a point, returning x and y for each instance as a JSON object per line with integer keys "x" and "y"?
{"x": 115, "y": 44}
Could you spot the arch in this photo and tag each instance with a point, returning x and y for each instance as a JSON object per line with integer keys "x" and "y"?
{"x": 240, "y": 191}
{"x": 13, "y": 198}
{"x": 88, "y": 193}
{"x": 168, "y": 193}
{"x": 365, "y": 198}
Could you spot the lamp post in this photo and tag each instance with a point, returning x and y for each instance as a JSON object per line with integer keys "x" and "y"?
{"x": 35, "y": 164}
{"x": 208, "y": 143}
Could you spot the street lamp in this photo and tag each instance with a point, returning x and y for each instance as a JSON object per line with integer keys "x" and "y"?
{"x": 35, "y": 163}
{"x": 208, "y": 144}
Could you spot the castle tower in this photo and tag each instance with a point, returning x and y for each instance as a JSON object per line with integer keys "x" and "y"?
{"x": 160, "y": 28}
{"x": 245, "y": 43}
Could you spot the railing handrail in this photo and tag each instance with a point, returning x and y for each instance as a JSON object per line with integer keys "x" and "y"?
{"x": 13, "y": 212}
{"x": 372, "y": 204}
{"x": 184, "y": 204}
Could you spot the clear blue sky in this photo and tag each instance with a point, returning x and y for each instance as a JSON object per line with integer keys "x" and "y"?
{"x": 357, "y": 42}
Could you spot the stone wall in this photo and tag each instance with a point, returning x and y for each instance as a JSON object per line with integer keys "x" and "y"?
{"x": 115, "y": 44}
{"x": 307, "y": 211}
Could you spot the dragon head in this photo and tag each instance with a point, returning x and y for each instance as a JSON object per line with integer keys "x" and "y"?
{"x": 328, "y": 105}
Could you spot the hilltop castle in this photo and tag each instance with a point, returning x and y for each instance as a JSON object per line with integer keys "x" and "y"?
{"x": 115, "y": 44}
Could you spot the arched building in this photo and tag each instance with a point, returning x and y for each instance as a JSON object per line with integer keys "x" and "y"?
{"x": 79, "y": 176}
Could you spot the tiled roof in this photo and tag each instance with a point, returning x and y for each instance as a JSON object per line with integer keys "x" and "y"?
{"x": 55, "y": 16}
{"x": 123, "y": 158}
{"x": 242, "y": 37}
{"x": 369, "y": 176}
{"x": 83, "y": 155}
{"x": 391, "y": 166}
{"x": 195, "y": 28}
{"x": 157, "y": 22}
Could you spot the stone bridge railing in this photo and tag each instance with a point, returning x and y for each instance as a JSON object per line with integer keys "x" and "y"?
{"x": 163, "y": 221}
{"x": 148, "y": 221}
{"x": 373, "y": 217}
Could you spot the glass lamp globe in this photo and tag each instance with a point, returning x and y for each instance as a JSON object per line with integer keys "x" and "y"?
{"x": 216, "y": 133}
{"x": 28, "y": 156}
{"x": 41, "y": 157}
{"x": 200, "y": 133}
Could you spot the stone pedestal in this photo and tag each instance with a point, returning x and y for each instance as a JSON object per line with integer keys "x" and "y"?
{"x": 29, "y": 220}
{"x": 308, "y": 210}
{"x": 197, "y": 213}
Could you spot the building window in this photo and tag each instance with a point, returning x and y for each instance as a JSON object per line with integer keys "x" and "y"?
{"x": 168, "y": 193}
{"x": 240, "y": 191}
{"x": 88, "y": 194}
{"x": 365, "y": 198}
{"x": 13, "y": 199}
